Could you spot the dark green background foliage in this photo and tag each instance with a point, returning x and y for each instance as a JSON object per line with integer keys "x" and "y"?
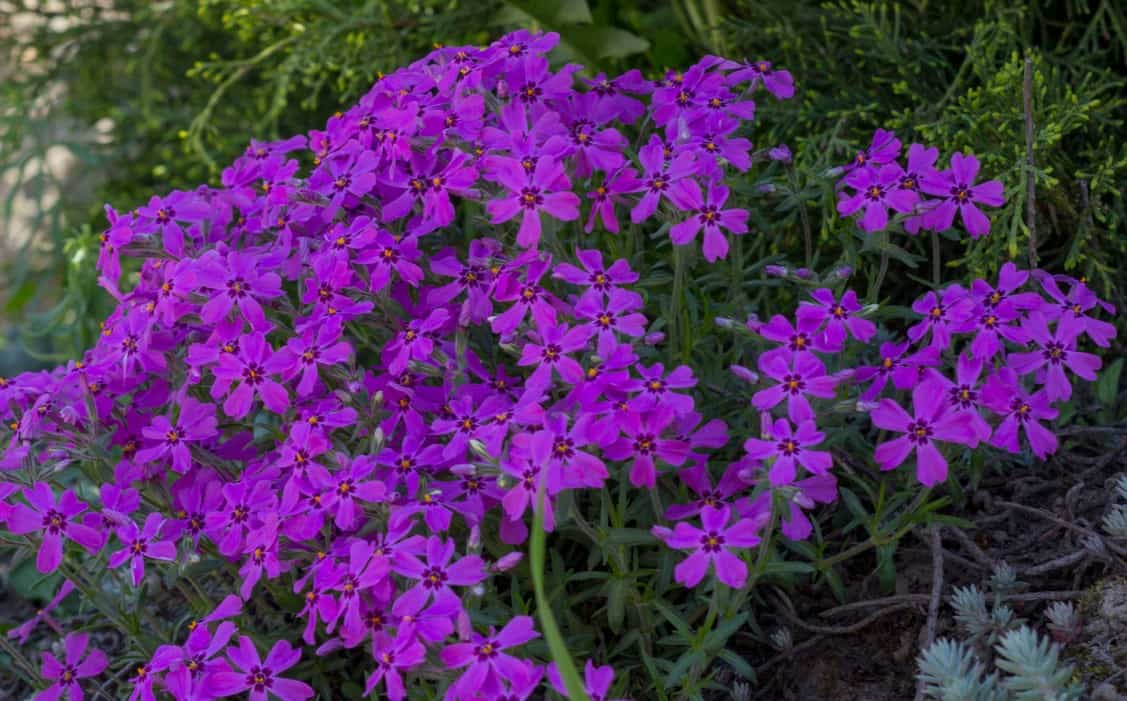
{"x": 185, "y": 84}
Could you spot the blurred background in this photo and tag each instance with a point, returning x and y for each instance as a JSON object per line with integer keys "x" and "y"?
{"x": 111, "y": 101}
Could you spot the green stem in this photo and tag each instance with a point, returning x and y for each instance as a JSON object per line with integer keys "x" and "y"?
{"x": 556, "y": 644}
{"x": 936, "y": 263}
{"x": 874, "y": 289}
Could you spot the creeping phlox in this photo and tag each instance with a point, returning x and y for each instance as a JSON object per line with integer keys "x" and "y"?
{"x": 302, "y": 378}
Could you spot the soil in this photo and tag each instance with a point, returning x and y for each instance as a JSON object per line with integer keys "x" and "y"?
{"x": 878, "y": 662}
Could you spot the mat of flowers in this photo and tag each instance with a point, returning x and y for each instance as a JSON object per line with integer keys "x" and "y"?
{"x": 341, "y": 391}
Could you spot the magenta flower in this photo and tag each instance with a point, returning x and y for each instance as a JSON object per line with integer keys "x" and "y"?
{"x": 960, "y": 194}
{"x": 487, "y": 659}
{"x": 807, "y": 493}
{"x": 164, "y": 214}
{"x": 247, "y": 368}
{"x": 77, "y": 665}
{"x": 698, "y": 480}
{"x": 606, "y": 320}
{"x": 552, "y": 353}
{"x": 23, "y": 631}
{"x": 391, "y": 254}
{"x": 597, "y": 278}
{"x": 964, "y": 395}
{"x": 529, "y": 297}
{"x": 349, "y": 484}
{"x": 596, "y": 681}
{"x": 790, "y": 449}
{"x": 1021, "y": 410}
{"x": 884, "y": 148}
{"x": 1057, "y": 351}
{"x": 993, "y": 326}
{"x": 196, "y": 423}
{"x": 392, "y": 655}
{"x": 654, "y": 388}
{"x": 706, "y": 214}
{"x": 437, "y": 575}
{"x": 876, "y": 192}
{"x": 934, "y": 421}
{"x": 779, "y": 83}
{"x": 804, "y": 375}
{"x": 905, "y": 371}
{"x": 55, "y": 520}
{"x": 187, "y": 667}
{"x": 258, "y": 676}
{"x": 140, "y": 543}
{"x": 346, "y": 173}
{"x": 304, "y": 353}
{"x": 942, "y": 316}
{"x": 795, "y": 338}
{"x": 642, "y": 443}
{"x": 1005, "y": 297}
{"x": 546, "y": 191}
{"x": 533, "y": 466}
{"x": 1079, "y": 300}
{"x": 607, "y": 195}
{"x": 712, "y": 546}
{"x": 659, "y": 176}
{"x": 416, "y": 342}
{"x": 236, "y": 281}
{"x": 838, "y": 316}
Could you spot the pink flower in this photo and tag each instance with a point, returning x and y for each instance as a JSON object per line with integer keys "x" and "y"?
{"x": 55, "y": 520}
{"x": 78, "y": 665}
{"x": 706, "y": 214}
{"x": 486, "y": 659}
{"x": 141, "y": 543}
{"x": 258, "y": 676}
{"x": 712, "y": 546}
{"x": 934, "y": 421}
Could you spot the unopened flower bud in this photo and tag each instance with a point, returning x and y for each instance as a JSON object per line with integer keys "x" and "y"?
{"x": 724, "y": 322}
{"x": 653, "y": 338}
{"x": 746, "y": 374}
{"x": 507, "y": 562}
{"x": 804, "y": 273}
{"x": 776, "y": 270}
{"x": 780, "y": 153}
{"x": 843, "y": 272}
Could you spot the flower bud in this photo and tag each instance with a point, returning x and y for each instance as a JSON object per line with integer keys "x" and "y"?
{"x": 746, "y": 374}
{"x": 780, "y": 153}
{"x": 776, "y": 270}
{"x": 507, "y": 562}
{"x": 843, "y": 272}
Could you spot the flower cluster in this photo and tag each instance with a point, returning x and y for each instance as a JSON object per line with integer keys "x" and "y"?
{"x": 929, "y": 198}
{"x": 316, "y": 382}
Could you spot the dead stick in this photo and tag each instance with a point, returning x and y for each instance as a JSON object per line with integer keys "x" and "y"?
{"x": 936, "y": 541}
{"x": 1030, "y": 178}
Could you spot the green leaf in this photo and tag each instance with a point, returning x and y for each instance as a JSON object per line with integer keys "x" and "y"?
{"x": 738, "y": 664}
{"x": 630, "y": 536}
{"x": 616, "y": 604}
{"x": 607, "y": 42}
{"x": 1107, "y": 387}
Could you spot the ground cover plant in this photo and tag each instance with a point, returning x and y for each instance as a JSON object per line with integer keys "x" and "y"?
{"x": 409, "y": 404}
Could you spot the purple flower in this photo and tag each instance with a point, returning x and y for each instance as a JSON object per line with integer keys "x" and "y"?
{"x": 944, "y": 315}
{"x": 164, "y": 214}
{"x": 532, "y": 467}
{"x": 348, "y": 172}
{"x": 349, "y": 484}
{"x": 839, "y": 317}
{"x": 556, "y": 342}
{"x": 247, "y": 370}
{"x": 304, "y": 353}
{"x": 596, "y": 277}
{"x": 796, "y": 339}
{"x": 486, "y": 658}
{"x": 416, "y": 342}
{"x": 707, "y": 214}
{"x": 884, "y": 148}
{"x": 606, "y": 320}
{"x": 77, "y": 665}
{"x": 55, "y": 520}
{"x": 1079, "y": 300}
{"x": 877, "y": 190}
{"x": 23, "y": 631}
{"x": 188, "y": 666}
{"x": 258, "y": 676}
{"x": 392, "y": 655}
{"x": 804, "y": 375}
{"x": 548, "y": 190}
{"x": 1057, "y": 351}
{"x": 654, "y": 388}
{"x": 437, "y": 575}
{"x": 642, "y": 442}
{"x": 1021, "y": 410}
{"x": 1005, "y": 297}
{"x": 697, "y": 479}
{"x": 712, "y": 546}
{"x": 933, "y": 421}
{"x": 960, "y": 194}
{"x": 779, "y": 83}
{"x": 596, "y": 681}
{"x": 529, "y": 296}
{"x": 659, "y": 176}
{"x": 391, "y": 254}
{"x": 964, "y": 395}
{"x": 608, "y": 194}
{"x": 790, "y": 449}
{"x": 196, "y": 423}
{"x": 141, "y": 543}
{"x": 905, "y": 371}
{"x": 237, "y": 282}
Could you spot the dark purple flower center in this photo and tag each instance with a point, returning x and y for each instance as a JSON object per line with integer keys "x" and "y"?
{"x": 712, "y": 498}
{"x": 195, "y": 665}
{"x": 165, "y": 214}
{"x": 531, "y": 93}
{"x": 54, "y": 521}
{"x": 709, "y": 215}
{"x": 964, "y": 396}
{"x": 1021, "y": 409}
{"x": 342, "y": 182}
{"x": 605, "y": 320}
{"x": 434, "y": 578}
{"x": 789, "y": 447}
{"x": 645, "y": 443}
{"x": 793, "y": 384}
{"x": 253, "y": 374}
{"x": 600, "y": 281}
{"x": 487, "y": 650}
{"x": 467, "y": 424}
{"x": 712, "y": 542}
{"x": 919, "y": 432}
{"x": 990, "y": 321}
{"x": 69, "y": 676}
{"x": 129, "y": 344}
{"x": 658, "y": 183}
{"x": 309, "y": 355}
{"x": 238, "y": 288}
{"x": 137, "y": 549}
{"x": 1055, "y": 352}
{"x": 173, "y": 436}
{"x": 909, "y": 181}
{"x": 345, "y": 487}
{"x": 530, "y": 198}
{"x": 240, "y": 513}
{"x": 839, "y": 312}
{"x": 350, "y": 585}
{"x": 960, "y": 193}
{"x": 260, "y": 678}
{"x": 874, "y": 192}
{"x": 685, "y": 98}
{"x": 799, "y": 341}
{"x": 529, "y": 294}
{"x": 564, "y": 448}
{"x": 551, "y": 353}
{"x": 473, "y": 276}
